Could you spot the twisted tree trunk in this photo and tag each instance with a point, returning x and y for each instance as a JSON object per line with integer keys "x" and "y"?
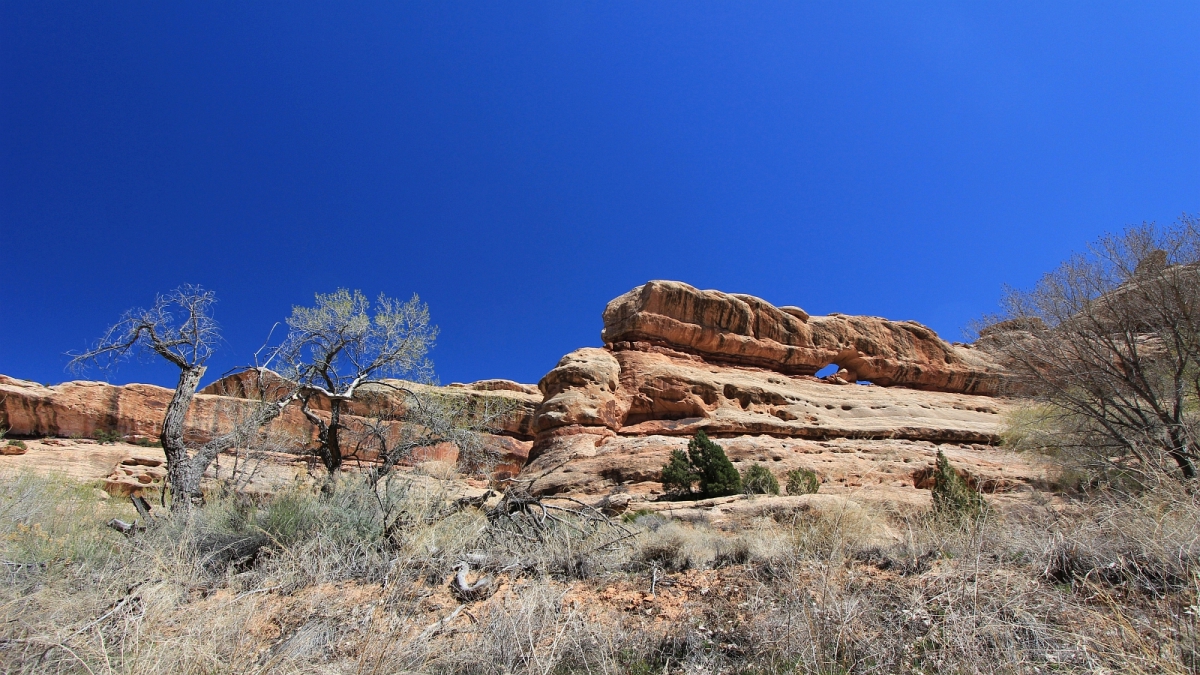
{"x": 183, "y": 479}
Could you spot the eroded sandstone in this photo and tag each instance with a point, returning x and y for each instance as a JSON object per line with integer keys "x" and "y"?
{"x": 678, "y": 360}
{"x": 134, "y": 413}
{"x": 748, "y": 331}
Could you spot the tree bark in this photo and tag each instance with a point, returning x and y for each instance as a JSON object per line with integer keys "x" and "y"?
{"x": 331, "y": 446}
{"x": 1179, "y": 453}
{"x": 182, "y": 479}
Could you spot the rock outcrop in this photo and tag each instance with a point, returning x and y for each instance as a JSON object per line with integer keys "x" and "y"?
{"x": 747, "y": 331}
{"x": 134, "y": 413}
{"x": 852, "y": 436}
{"x": 678, "y": 360}
{"x": 522, "y": 398}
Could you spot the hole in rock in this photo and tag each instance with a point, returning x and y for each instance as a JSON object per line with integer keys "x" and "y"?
{"x": 828, "y": 370}
{"x": 865, "y": 383}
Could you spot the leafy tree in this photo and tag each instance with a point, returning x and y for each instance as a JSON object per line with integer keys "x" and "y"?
{"x": 757, "y": 479}
{"x": 953, "y": 498}
{"x": 705, "y": 463}
{"x": 344, "y": 342}
{"x": 715, "y": 472}
{"x": 802, "y": 482}
{"x": 678, "y": 477}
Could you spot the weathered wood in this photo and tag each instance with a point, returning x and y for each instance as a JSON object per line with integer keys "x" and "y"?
{"x": 466, "y": 591}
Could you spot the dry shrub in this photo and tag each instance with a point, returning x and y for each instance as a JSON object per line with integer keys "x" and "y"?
{"x": 441, "y": 470}
{"x": 1106, "y": 584}
{"x": 674, "y": 546}
{"x": 1149, "y": 542}
{"x": 835, "y": 528}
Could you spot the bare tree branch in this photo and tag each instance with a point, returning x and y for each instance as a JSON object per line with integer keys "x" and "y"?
{"x": 1111, "y": 339}
{"x": 179, "y": 328}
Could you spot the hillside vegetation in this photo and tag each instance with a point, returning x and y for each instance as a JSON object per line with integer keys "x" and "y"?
{"x": 302, "y": 583}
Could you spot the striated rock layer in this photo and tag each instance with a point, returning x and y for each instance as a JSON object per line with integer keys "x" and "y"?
{"x": 134, "y": 412}
{"x": 613, "y": 432}
{"x": 678, "y": 360}
{"x": 748, "y": 331}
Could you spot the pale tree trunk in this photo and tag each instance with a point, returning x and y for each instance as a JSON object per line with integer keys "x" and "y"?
{"x": 186, "y": 470}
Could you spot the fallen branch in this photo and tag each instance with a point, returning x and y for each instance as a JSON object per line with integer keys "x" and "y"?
{"x": 436, "y": 627}
{"x": 465, "y": 591}
{"x": 123, "y": 527}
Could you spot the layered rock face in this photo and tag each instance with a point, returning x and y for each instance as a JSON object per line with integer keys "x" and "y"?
{"x": 747, "y": 331}
{"x": 135, "y": 411}
{"x": 522, "y": 398}
{"x": 678, "y": 360}
{"x": 595, "y": 438}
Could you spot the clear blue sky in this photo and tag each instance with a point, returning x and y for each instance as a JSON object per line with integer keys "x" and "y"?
{"x": 520, "y": 164}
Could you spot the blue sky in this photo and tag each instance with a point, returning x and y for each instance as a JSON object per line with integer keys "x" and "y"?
{"x": 520, "y": 164}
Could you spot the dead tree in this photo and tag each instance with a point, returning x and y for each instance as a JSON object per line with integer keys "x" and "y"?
{"x": 345, "y": 342}
{"x": 1111, "y": 342}
{"x": 179, "y": 328}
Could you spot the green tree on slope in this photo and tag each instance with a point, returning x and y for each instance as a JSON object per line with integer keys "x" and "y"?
{"x": 706, "y": 465}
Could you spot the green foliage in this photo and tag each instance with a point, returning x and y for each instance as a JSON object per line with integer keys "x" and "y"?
{"x": 715, "y": 472}
{"x": 705, "y": 463}
{"x": 17, "y": 444}
{"x": 678, "y": 476}
{"x": 802, "y": 482}
{"x": 106, "y": 437}
{"x": 147, "y": 443}
{"x": 349, "y": 515}
{"x": 632, "y": 516}
{"x": 757, "y": 479}
{"x": 953, "y": 499}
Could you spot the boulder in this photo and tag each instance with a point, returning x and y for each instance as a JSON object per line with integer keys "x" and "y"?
{"x": 582, "y": 389}
{"x": 132, "y": 475}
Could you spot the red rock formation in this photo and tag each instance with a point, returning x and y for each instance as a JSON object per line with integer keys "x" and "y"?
{"x": 582, "y": 389}
{"x": 135, "y": 412}
{"x": 524, "y": 398}
{"x": 677, "y": 360}
{"x": 748, "y": 331}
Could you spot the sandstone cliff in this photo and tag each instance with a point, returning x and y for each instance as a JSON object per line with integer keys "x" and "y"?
{"x": 134, "y": 412}
{"x": 747, "y": 331}
{"x": 676, "y": 360}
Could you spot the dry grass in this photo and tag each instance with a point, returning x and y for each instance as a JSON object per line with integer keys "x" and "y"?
{"x": 300, "y": 584}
